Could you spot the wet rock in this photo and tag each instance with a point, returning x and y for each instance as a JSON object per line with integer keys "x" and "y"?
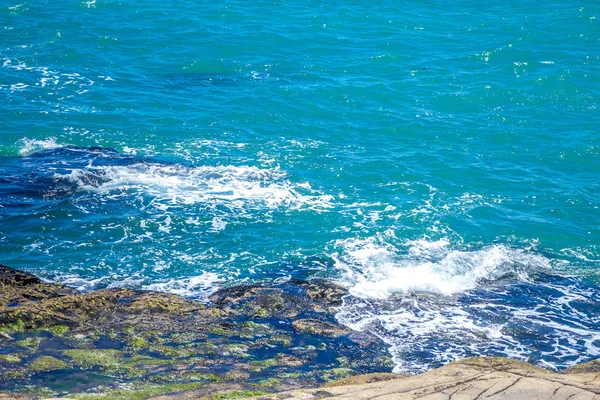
{"x": 136, "y": 344}
{"x": 317, "y": 327}
{"x": 328, "y": 293}
{"x": 15, "y": 278}
{"x": 47, "y": 363}
{"x": 19, "y": 287}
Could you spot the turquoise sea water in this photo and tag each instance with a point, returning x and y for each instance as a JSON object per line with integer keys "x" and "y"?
{"x": 439, "y": 159}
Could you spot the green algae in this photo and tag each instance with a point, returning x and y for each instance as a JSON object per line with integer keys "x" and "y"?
{"x": 186, "y": 337}
{"x": 171, "y": 351}
{"x": 236, "y": 350}
{"x": 270, "y": 383}
{"x": 10, "y": 358}
{"x": 284, "y": 340}
{"x": 8, "y": 375}
{"x": 139, "y": 360}
{"x": 237, "y": 395}
{"x": 336, "y": 373}
{"x": 252, "y": 329}
{"x": 259, "y": 366}
{"x": 14, "y": 327}
{"x": 138, "y": 342}
{"x": 220, "y": 331}
{"x": 185, "y": 376}
{"x": 59, "y": 330}
{"x": 138, "y": 391}
{"x": 47, "y": 363}
{"x": 129, "y": 331}
{"x": 261, "y": 313}
{"x": 87, "y": 358}
{"x": 291, "y": 375}
{"x": 385, "y": 361}
{"x": 32, "y": 343}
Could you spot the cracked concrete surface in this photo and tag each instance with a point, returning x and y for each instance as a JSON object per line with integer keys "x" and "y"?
{"x": 471, "y": 379}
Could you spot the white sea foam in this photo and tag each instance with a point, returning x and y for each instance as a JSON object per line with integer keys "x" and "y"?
{"x": 28, "y": 146}
{"x": 234, "y": 187}
{"x": 80, "y": 283}
{"x": 374, "y": 268}
{"x": 200, "y": 286}
{"x": 423, "y": 331}
{"x": 434, "y": 301}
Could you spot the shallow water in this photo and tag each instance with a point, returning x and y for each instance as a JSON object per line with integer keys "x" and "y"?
{"x": 440, "y": 160}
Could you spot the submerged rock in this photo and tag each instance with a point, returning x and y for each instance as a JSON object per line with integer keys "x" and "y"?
{"x": 135, "y": 344}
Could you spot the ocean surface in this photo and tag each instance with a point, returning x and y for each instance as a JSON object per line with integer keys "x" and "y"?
{"x": 440, "y": 159}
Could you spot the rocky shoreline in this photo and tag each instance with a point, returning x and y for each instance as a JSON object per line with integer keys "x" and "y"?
{"x": 274, "y": 341}
{"x": 55, "y": 341}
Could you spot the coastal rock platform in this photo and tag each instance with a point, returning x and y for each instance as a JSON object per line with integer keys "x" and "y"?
{"x": 270, "y": 342}
{"x": 123, "y": 343}
{"x": 492, "y": 378}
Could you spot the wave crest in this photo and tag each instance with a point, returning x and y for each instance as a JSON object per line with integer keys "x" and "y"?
{"x": 376, "y": 268}
{"x": 234, "y": 187}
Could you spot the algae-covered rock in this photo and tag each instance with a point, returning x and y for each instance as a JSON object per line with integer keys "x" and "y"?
{"x": 88, "y": 358}
{"x": 47, "y": 363}
{"x": 31, "y": 343}
{"x": 591, "y": 366}
{"x": 317, "y": 327}
{"x": 133, "y": 344}
{"x": 10, "y": 358}
{"x": 327, "y": 293}
{"x": 141, "y": 390}
{"x": 19, "y": 286}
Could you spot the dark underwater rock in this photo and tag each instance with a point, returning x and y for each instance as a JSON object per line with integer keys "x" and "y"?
{"x": 250, "y": 339}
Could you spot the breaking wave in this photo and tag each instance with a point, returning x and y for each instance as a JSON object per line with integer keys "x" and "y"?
{"x": 171, "y": 185}
{"x": 434, "y": 303}
{"x": 376, "y": 268}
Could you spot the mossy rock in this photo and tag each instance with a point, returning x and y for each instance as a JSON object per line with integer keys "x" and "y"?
{"x": 10, "y": 358}
{"x": 59, "y": 330}
{"x": 224, "y": 331}
{"x": 336, "y": 373}
{"x": 138, "y": 342}
{"x": 31, "y": 343}
{"x": 317, "y": 327}
{"x": 138, "y": 391}
{"x": 235, "y": 350}
{"x": 247, "y": 335}
{"x": 88, "y": 358}
{"x": 269, "y": 383}
{"x": 47, "y": 363}
{"x": 591, "y": 366}
{"x": 237, "y": 395}
{"x": 327, "y": 292}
